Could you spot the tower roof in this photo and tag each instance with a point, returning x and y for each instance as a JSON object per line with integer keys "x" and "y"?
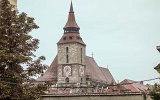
{"x": 71, "y": 30}
{"x": 71, "y": 23}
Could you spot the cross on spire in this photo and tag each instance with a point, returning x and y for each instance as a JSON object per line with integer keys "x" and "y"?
{"x": 92, "y": 54}
{"x": 71, "y": 7}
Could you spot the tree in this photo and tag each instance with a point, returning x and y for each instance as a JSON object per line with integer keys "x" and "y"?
{"x": 18, "y": 63}
{"x": 155, "y": 93}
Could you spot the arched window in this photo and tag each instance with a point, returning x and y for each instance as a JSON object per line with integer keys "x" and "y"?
{"x": 67, "y": 80}
{"x": 81, "y": 80}
{"x": 67, "y": 50}
{"x": 81, "y": 55}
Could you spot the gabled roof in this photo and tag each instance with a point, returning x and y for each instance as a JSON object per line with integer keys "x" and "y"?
{"x": 51, "y": 73}
{"x": 96, "y": 73}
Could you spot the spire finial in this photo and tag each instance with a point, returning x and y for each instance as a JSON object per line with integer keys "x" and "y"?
{"x": 71, "y": 7}
{"x": 71, "y": 25}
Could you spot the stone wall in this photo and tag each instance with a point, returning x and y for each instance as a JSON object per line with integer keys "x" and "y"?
{"x": 74, "y": 53}
{"x": 76, "y": 59}
{"x": 97, "y": 97}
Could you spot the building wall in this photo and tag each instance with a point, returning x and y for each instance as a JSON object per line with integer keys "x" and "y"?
{"x": 91, "y": 97}
{"x": 74, "y": 53}
{"x": 76, "y": 59}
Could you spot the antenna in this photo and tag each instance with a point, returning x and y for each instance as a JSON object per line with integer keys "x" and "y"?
{"x": 92, "y": 54}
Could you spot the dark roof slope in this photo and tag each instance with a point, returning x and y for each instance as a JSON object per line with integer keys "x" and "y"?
{"x": 97, "y": 73}
{"x": 51, "y": 73}
{"x": 134, "y": 86}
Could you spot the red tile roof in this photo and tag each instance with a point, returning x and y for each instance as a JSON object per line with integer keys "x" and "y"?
{"x": 97, "y": 73}
{"x": 71, "y": 19}
{"x": 134, "y": 86}
{"x": 51, "y": 73}
{"x": 70, "y": 38}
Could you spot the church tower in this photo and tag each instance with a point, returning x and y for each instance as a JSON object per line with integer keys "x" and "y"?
{"x": 71, "y": 70}
{"x": 71, "y": 53}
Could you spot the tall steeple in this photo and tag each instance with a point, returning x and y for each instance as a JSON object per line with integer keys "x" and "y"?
{"x": 71, "y": 30}
{"x": 71, "y": 25}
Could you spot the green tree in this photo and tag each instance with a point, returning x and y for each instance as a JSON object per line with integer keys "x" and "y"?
{"x": 155, "y": 93}
{"x": 18, "y": 64}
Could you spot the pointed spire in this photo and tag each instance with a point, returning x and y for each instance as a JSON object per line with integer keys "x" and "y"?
{"x": 71, "y": 7}
{"x": 71, "y": 25}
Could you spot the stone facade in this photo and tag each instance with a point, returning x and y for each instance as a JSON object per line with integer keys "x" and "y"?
{"x": 98, "y": 97}
{"x": 74, "y": 53}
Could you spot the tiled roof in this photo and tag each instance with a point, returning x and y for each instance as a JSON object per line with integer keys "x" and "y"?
{"x": 108, "y": 76}
{"x": 134, "y": 86}
{"x": 51, "y": 73}
{"x": 70, "y": 38}
{"x": 71, "y": 19}
{"x": 95, "y": 72}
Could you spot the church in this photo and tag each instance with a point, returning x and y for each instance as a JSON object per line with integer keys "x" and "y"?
{"x": 72, "y": 71}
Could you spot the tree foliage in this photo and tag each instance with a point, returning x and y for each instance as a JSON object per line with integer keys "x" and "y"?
{"x": 155, "y": 94}
{"x": 18, "y": 64}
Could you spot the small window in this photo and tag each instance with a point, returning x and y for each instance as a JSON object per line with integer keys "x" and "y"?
{"x": 67, "y": 50}
{"x": 67, "y": 80}
{"x": 70, "y": 37}
{"x": 67, "y": 59}
{"x": 81, "y": 80}
{"x": 81, "y": 55}
{"x": 64, "y": 38}
{"x": 67, "y": 56}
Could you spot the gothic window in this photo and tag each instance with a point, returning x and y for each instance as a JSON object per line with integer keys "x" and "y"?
{"x": 81, "y": 55}
{"x": 67, "y": 50}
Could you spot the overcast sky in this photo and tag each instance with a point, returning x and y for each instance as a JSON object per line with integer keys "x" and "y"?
{"x": 122, "y": 34}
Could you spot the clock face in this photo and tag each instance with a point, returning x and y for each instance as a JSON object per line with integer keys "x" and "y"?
{"x": 81, "y": 71}
{"x": 67, "y": 70}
